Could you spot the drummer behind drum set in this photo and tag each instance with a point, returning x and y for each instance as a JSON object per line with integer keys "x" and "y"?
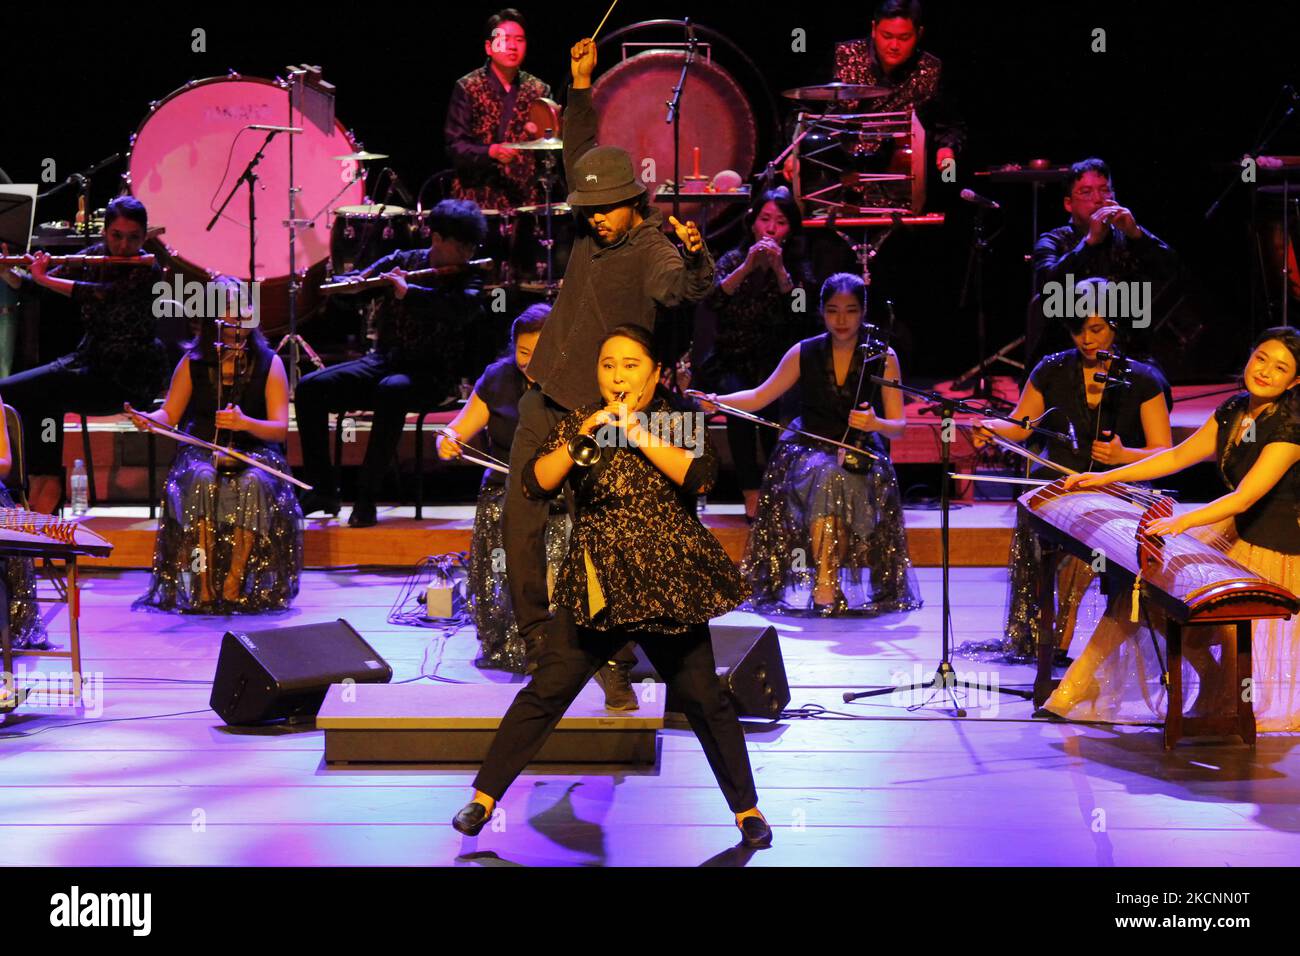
{"x": 901, "y": 77}
{"x": 489, "y": 109}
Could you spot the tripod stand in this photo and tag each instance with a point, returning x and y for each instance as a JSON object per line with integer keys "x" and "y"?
{"x": 945, "y": 675}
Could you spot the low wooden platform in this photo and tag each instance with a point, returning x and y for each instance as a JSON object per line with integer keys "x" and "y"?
{"x": 980, "y": 537}
{"x": 455, "y": 723}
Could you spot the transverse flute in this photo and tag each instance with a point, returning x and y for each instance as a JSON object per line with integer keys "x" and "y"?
{"x": 360, "y": 285}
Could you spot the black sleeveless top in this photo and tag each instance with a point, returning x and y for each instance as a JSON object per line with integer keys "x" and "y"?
{"x": 1273, "y": 522}
{"x": 499, "y": 388}
{"x": 1059, "y": 378}
{"x": 248, "y": 392}
{"x": 825, "y": 404}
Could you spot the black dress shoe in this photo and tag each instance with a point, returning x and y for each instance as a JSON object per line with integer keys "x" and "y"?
{"x": 471, "y": 818}
{"x": 1061, "y": 659}
{"x": 312, "y": 501}
{"x": 364, "y": 515}
{"x": 755, "y": 832}
{"x": 615, "y": 679}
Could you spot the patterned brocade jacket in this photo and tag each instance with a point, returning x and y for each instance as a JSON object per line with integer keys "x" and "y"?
{"x": 482, "y": 113}
{"x": 914, "y": 85}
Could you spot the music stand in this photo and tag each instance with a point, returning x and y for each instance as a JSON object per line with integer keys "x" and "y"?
{"x": 17, "y": 216}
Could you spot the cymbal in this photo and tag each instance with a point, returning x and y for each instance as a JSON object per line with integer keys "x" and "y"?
{"x": 836, "y": 92}
{"x": 551, "y": 143}
{"x": 557, "y": 208}
{"x": 372, "y": 209}
{"x": 361, "y": 156}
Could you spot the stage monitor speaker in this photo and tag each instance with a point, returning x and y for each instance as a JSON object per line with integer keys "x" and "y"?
{"x": 284, "y": 672}
{"x": 749, "y": 665}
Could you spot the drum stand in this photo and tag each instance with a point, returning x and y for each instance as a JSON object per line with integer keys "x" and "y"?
{"x": 548, "y": 185}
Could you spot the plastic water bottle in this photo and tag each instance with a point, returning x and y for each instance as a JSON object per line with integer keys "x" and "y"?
{"x": 80, "y": 488}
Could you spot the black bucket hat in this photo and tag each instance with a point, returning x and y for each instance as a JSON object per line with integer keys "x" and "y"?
{"x": 605, "y": 177}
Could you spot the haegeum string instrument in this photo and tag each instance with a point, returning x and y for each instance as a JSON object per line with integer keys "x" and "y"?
{"x": 158, "y": 428}
{"x": 751, "y": 417}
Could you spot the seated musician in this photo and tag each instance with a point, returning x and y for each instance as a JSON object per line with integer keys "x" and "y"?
{"x": 230, "y": 538}
{"x": 25, "y": 625}
{"x": 489, "y": 108}
{"x": 494, "y": 406}
{"x": 119, "y": 359}
{"x": 413, "y": 365}
{"x": 1112, "y": 426}
{"x": 757, "y": 322}
{"x": 829, "y": 534}
{"x": 1254, "y": 436}
{"x": 1101, "y": 239}
{"x": 892, "y": 58}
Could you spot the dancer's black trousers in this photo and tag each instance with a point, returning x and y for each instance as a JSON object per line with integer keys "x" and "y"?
{"x": 570, "y": 655}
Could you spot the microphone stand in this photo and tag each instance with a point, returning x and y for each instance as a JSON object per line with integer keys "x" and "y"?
{"x": 1283, "y": 120}
{"x": 83, "y": 180}
{"x": 675, "y": 114}
{"x": 249, "y": 175}
{"x": 945, "y": 675}
{"x": 978, "y": 380}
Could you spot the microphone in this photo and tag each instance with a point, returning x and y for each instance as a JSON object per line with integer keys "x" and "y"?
{"x": 402, "y": 191}
{"x": 969, "y": 195}
{"x": 276, "y": 129}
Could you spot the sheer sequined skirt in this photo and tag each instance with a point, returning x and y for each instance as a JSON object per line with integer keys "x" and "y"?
{"x": 1072, "y": 579}
{"x": 819, "y": 524}
{"x": 25, "y": 624}
{"x": 494, "y": 617}
{"x": 216, "y": 524}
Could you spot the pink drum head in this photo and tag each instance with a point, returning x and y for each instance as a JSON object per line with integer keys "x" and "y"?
{"x": 716, "y": 117}
{"x": 182, "y": 165}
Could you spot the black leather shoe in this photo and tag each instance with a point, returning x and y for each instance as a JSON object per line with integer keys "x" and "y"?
{"x": 471, "y": 818}
{"x": 313, "y": 501}
{"x": 616, "y": 681}
{"x": 364, "y": 515}
{"x": 1061, "y": 659}
{"x": 755, "y": 832}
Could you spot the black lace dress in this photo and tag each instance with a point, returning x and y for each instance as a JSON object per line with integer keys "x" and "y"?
{"x": 639, "y": 557}
{"x": 810, "y": 504}
{"x": 234, "y": 503}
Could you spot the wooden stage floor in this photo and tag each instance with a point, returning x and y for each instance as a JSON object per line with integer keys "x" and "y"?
{"x": 890, "y": 788}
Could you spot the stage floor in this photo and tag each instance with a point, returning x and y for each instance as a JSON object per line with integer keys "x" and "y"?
{"x": 893, "y": 789}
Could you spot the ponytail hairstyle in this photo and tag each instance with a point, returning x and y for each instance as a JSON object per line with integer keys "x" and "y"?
{"x": 844, "y": 282}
